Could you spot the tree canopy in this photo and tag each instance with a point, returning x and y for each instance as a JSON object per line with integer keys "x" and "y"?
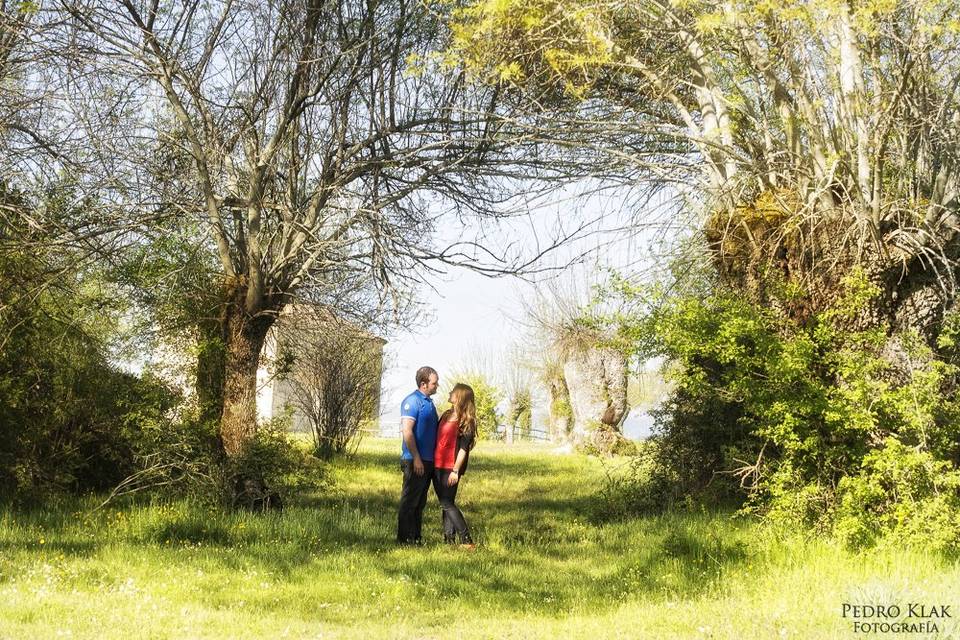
{"x": 815, "y": 134}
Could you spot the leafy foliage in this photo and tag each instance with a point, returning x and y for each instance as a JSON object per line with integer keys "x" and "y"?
{"x": 280, "y": 465}
{"x": 486, "y": 395}
{"x": 70, "y": 419}
{"x": 901, "y": 494}
{"x": 812, "y": 425}
{"x": 565, "y": 44}
{"x": 170, "y": 278}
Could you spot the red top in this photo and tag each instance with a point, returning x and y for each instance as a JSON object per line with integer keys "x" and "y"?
{"x": 445, "y": 453}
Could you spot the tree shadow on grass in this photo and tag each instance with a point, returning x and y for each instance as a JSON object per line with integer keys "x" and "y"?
{"x": 376, "y": 459}
{"x": 73, "y": 548}
{"x": 539, "y": 550}
{"x": 571, "y": 577}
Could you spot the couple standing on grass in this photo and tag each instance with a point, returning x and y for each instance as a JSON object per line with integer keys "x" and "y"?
{"x": 435, "y": 449}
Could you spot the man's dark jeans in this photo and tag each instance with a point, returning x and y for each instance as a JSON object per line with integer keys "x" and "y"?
{"x": 413, "y": 498}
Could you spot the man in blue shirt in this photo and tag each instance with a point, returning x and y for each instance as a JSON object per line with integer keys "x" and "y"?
{"x": 418, "y": 423}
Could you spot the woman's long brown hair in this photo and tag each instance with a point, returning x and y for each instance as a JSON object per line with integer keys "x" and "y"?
{"x": 465, "y": 407}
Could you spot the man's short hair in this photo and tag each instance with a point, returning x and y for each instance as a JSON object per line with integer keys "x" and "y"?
{"x": 424, "y": 373}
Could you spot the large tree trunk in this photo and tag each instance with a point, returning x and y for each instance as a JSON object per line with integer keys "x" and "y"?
{"x": 244, "y": 337}
{"x": 597, "y": 381}
{"x": 915, "y": 291}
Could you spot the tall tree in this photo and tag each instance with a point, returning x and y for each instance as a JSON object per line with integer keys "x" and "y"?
{"x": 315, "y": 141}
{"x": 818, "y": 134}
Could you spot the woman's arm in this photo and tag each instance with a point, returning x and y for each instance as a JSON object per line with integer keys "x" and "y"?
{"x": 457, "y": 465}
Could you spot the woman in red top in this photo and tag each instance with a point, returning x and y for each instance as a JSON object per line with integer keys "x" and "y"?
{"x": 456, "y": 436}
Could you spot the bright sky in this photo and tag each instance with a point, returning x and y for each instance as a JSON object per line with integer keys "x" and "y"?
{"x": 473, "y": 317}
{"x": 468, "y": 315}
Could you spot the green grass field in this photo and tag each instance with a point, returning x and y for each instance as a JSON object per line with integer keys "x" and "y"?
{"x": 329, "y": 569}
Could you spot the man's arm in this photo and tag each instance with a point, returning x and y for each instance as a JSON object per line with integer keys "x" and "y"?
{"x": 406, "y": 425}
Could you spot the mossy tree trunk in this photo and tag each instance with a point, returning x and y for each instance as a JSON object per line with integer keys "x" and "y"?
{"x": 759, "y": 250}
{"x": 210, "y": 371}
{"x": 597, "y": 382}
{"x": 244, "y": 332}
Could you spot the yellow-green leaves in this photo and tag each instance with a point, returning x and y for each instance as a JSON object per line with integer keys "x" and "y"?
{"x": 710, "y": 22}
{"x": 509, "y": 71}
{"x": 857, "y": 292}
{"x": 555, "y": 45}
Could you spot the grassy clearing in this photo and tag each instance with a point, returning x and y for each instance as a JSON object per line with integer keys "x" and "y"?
{"x": 328, "y": 568}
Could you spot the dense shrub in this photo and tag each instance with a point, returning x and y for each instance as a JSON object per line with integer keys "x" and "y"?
{"x": 486, "y": 395}
{"x": 182, "y": 459}
{"x": 852, "y": 432}
{"x": 901, "y": 494}
{"x": 278, "y": 465}
{"x": 174, "y": 458}
{"x": 73, "y": 420}
{"x": 69, "y": 418}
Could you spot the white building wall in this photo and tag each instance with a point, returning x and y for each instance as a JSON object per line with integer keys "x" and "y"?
{"x": 264, "y": 383}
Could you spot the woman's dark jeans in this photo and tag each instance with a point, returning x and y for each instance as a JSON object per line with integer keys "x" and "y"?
{"x": 453, "y": 522}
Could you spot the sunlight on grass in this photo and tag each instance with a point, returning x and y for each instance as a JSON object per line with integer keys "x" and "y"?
{"x": 327, "y": 567}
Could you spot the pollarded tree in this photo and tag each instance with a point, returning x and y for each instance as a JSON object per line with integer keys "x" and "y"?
{"x": 516, "y": 380}
{"x": 519, "y": 418}
{"x": 550, "y": 372}
{"x": 315, "y": 142}
{"x": 820, "y": 138}
{"x": 580, "y": 364}
{"x": 818, "y": 134}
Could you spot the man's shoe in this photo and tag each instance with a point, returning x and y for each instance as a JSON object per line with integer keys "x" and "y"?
{"x": 468, "y": 546}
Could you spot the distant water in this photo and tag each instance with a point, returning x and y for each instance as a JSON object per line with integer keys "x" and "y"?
{"x": 638, "y": 425}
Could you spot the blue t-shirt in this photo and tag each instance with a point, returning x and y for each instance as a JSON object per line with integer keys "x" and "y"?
{"x": 420, "y": 407}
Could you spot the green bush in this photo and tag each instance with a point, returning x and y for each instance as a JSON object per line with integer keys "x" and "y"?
{"x": 274, "y": 457}
{"x": 801, "y": 421}
{"x": 174, "y": 459}
{"x": 72, "y": 420}
{"x": 69, "y": 418}
{"x": 183, "y": 460}
{"x": 900, "y": 496}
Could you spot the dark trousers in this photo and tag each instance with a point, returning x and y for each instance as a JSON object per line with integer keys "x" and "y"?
{"x": 454, "y": 523}
{"x": 413, "y": 498}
